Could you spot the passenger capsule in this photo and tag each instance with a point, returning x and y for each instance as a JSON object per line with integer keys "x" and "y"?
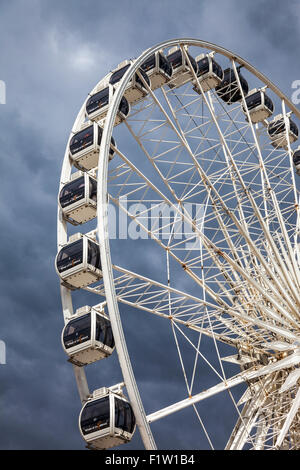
{"x": 98, "y": 104}
{"x": 78, "y": 263}
{"x": 277, "y": 131}
{"x": 296, "y": 160}
{"x": 78, "y": 198}
{"x": 158, "y": 69}
{"x": 106, "y": 420}
{"x": 229, "y": 90}
{"x": 210, "y": 73}
{"x": 259, "y": 105}
{"x": 85, "y": 146}
{"x": 181, "y": 69}
{"x": 135, "y": 89}
{"x": 87, "y": 337}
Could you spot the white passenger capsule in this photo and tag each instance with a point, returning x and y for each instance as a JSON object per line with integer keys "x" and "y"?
{"x": 78, "y": 263}
{"x": 135, "y": 89}
{"x": 229, "y": 90}
{"x": 106, "y": 420}
{"x": 84, "y": 146}
{"x": 278, "y": 133}
{"x": 78, "y": 198}
{"x": 87, "y": 337}
{"x": 259, "y": 105}
{"x": 97, "y": 106}
{"x": 209, "y": 74}
{"x": 158, "y": 69}
{"x": 181, "y": 70}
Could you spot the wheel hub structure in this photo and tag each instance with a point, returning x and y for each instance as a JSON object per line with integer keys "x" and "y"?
{"x": 193, "y": 234}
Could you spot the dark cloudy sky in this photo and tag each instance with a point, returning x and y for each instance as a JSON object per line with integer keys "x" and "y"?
{"x": 52, "y": 53}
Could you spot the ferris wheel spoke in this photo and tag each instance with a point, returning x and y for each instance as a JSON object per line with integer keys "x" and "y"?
{"x": 191, "y": 312}
{"x": 227, "y": 384}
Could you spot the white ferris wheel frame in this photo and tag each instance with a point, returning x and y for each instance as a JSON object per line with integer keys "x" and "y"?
{"x": 142, "y": 420}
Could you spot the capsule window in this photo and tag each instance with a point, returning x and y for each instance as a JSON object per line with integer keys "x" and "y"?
{"x": 176, "y": 59}
{"x": 145, "y": 77}
{"x": 70, "y": 256}
{"x": 294, "y": 128}
{"x": 164, "y": 64}
{"x": 253, "y": 100}
{"x": 276, "y": 127}
{"x": 124, "y": 417}
{"x": 82, "y": 139}
{"x": 95, "y": 416}
{"x": 124, "y": 106}
{"x": 217, "y": 69}
{"x": 269, "y": 103}
{"x": 149, "y": 64}
{"x": 93, "y": 189}
{"x": 72, "y": 192}
{"x": 296, "y": 157}
{"x": 94, "y": 254}
{"x": 98, "y": 100}
{"x": 100, "y": 132}
{"x": 229, "y": 90}
{"x": 77, "y": 331}
{"x": 118, "y": 74}
{"x": 104, "y": 331}
{"x": 203, "y": 66}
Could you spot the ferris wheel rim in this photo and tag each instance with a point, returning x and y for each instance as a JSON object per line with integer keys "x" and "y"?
{"x": 103, "y": 234}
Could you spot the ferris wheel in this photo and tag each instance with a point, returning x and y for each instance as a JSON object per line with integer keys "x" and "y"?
{"x": 197, "y": 151}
